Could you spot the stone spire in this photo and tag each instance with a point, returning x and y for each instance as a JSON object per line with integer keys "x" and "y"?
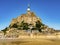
{"x": 28, "y": 9}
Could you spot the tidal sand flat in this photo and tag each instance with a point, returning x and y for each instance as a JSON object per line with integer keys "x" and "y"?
{"x": 33, "y": 42}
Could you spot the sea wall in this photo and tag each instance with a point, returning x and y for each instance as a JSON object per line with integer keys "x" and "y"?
{"x": 42, "y": 36}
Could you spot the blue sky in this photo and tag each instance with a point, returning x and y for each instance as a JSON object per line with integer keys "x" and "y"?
{"x": 47, "y": 10}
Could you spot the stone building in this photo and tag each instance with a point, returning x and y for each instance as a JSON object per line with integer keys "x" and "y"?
{"x": 1, "y": 34}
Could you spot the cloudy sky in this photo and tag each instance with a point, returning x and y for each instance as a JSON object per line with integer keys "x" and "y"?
{"x": 47, "y": 10}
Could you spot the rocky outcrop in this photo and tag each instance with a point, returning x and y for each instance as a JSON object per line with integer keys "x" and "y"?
{"x": 28, "y": 21}
{"x": 29, "y": 18}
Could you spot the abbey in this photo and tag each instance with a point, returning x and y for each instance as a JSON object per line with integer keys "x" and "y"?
{"x": 28, "y": 17}
{"x": 27, "y": 24}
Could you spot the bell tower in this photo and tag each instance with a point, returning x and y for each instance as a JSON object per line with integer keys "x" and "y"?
{"x": 28, "y": 9}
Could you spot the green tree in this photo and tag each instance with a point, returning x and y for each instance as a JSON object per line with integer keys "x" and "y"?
{"x": 24, "y": 25}
{"x": 4, "y": 30}
{"x": 38, "y": 25}
{"x": 14, "y": 26}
